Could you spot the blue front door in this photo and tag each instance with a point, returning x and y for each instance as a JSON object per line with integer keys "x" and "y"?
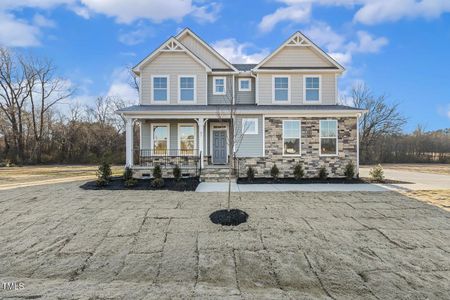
{"x": 219, "y": 147}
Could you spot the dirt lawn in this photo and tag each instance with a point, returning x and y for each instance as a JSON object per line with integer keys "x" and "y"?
{"x": 64, "y": 242}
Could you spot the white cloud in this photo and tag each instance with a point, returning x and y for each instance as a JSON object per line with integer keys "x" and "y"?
{"x": 17, "y": 33}
{"x": 379, "y": 11}
{"x": 367, "y": 12}
{"x": 154, "y": 10}
{"x": 444, "y": 110}
{"x": 137, "y": 36}
{"x": 236, "y": 52}
{"x": 342, "y": 48}
{"x": 41, "y": 21}
{"x": 120, "y": 85}
{"x": 295, "y": 13}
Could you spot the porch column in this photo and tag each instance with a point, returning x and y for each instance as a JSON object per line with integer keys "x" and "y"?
{"x": 129, "y": 142}
{"x": 201, "y": 126}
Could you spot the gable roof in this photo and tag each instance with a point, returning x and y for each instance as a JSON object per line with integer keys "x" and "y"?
{"x": 170, "y": 45}
{"x": 298, "y": 39}
{"x": 205, "y": 44}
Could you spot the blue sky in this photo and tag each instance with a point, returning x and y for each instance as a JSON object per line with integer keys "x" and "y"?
{"x": 399, "y": 48}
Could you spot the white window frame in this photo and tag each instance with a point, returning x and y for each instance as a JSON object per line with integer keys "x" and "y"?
{"x": 195, "y": 135}
{"x": 288, "y": 101}
{"x": 299, "y": 136}
{"x": 320, "y": 138}
{"x": 247, "y": 131}
{"x": 320, "y": 88}
{"x": 179, "y": 89}
{"x": 152, "y": 100}
{"x": 152, "y": 144}
{"x": 224, "y": 85}
{"x": 249, "y": 84}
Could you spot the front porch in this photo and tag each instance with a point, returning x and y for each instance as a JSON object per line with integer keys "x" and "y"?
{"x": 199, "y": 146}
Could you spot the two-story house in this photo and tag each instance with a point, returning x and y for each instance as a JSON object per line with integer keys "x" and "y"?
{"x": 285, "y": 110}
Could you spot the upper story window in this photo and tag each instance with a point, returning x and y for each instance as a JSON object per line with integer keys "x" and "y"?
{"x": 250, "y": 126}
{"x": 328, "y": 137}
{"x": 245, "y": 85}
{"x": 186, "y": 89}
{"x": 160, "y": 91}
{"x": 219, "y": 85}
{"x": 311, "y": 91}
{"x": 291, "y": 137}
{"x": 281, "y": 89}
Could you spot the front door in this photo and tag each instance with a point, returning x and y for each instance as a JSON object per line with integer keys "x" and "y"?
{"x": 219, "y": 147}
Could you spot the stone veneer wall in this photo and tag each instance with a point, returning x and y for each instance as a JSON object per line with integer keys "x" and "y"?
{"x": 310, "y": 158}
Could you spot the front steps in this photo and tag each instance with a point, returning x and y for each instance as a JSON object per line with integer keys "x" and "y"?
{"x": 216, "y": 174}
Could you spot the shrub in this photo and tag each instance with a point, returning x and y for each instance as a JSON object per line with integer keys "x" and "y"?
{"x": 349, "y": 170}
{"x": 274, "y": 172}
{"x": 127, "y": 174}
{"x": 157, "y": 172}
{"x": 176, "y": 173}
{"x": 157, "y": 183}
{"x": 129, "y": 181}
{"x": 298, "y": 172}
{"x": 323, "y": 174}
{"x": 377, "y": 173}
{"x": 250, "y": 174}
{"x": 103, "y": 174}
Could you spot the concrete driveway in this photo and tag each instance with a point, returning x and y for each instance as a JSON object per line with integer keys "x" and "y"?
{"x": 421, "y": 181}
{"x": 60, "y": 242}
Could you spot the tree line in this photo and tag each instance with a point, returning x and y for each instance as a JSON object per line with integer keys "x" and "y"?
{"x": 34, "y": 129}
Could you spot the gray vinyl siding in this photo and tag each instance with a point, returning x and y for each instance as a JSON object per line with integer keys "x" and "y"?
{"x": 245, "y": 97}
{"x": 328, "y": 88}
{"x": 146, "y": 132}
{"x": 203, "y": 53}
{"x": 219, "y": 99}
{"x": 251, "y": 144}
{"x": 173, "y": 64}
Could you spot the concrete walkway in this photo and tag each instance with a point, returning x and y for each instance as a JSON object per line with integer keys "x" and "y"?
{"x": 223, "y": 187}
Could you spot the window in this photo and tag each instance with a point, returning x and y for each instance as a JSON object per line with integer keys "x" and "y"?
{"x": 160, "y": 139}
{"x": 187, "y": 88}
{"x": 186, "y": 139}
{"x": 281, "y": 89}
{"x": 291, "y": 137}
{"x": 312, "y": 88}
{"x": 220, "y": 85}
{"x": 160, "y": 92}
{"x": 250, "y": 126}
{"x": 245, "y": 85}
{"x": 328, "y": 137}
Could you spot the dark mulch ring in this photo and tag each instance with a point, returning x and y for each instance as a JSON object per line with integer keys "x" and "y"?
{"x": 266, "y": 180}
{"x": 225, "y": 217}
{"x": 170, "y": 184}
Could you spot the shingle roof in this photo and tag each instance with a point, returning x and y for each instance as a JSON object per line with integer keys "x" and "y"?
{"x": 242, "y": 107}
{"x": 244, "y": 67}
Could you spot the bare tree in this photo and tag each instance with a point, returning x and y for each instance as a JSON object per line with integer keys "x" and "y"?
{"x": 47, "y": 90}
{"x": 234, "y": 137}
{"x": 381, "y": 118}
{"x": 14, "y": 91}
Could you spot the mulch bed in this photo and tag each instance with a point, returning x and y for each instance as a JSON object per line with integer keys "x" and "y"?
{"x": 170, "y": 184}
{"x": 270, "y": 180}
{"x": 232, "y": 217}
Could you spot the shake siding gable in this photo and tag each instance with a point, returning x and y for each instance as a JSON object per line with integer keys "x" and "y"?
{"x": 202, "y": 52}
{"x": 173, "y": 64}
